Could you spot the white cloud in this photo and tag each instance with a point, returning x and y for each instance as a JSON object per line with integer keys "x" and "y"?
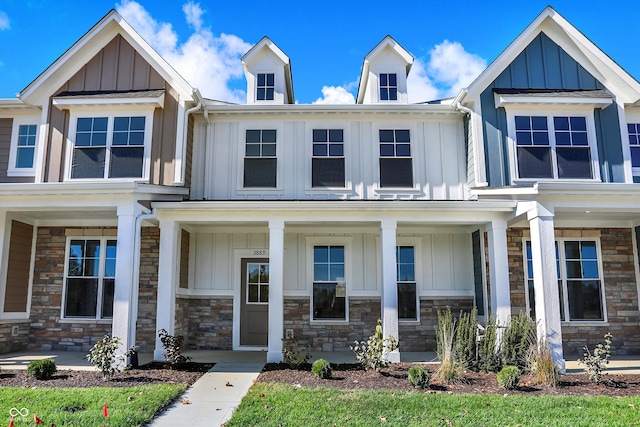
{"x": 335, "y": 95}
{"x": 454, "y": 68}
{"x": 4, "y": 21}
{"x": 420, "y": 88}
{"x": 208, "y": 62}
{"x": 193, "y": 13}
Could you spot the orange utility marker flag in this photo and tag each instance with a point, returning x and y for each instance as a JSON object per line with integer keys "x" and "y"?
{"x": 11, "y": 423}
{"x": 37, "y": 420}
{"x": 105, "y": 411}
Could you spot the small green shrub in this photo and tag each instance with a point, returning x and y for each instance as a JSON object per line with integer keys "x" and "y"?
{"x": 172, "y": 348}
{"x": 418, "y": 377}
{"x": 42, "y": 369}
{"x": 322, "y": 369}
{"x": 541, "y": 364}
{"x": 372, "y": 354}
{"x": 103, "y": 356}
{"x": 595, "y": 364}
{"x": 293, "y": 356}
{"x": 509, "y": 377}
{"x": 518, "y": 337}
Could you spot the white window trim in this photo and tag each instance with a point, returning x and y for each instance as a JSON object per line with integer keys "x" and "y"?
{"x": 630, "y": 118}
{"x": 12, "y": 170}
{"x": 242, "y": 135}
{"x": 388, "y": 101}
{"x": 348, "y": 278}
{"x": 110, "y": 114}
{"x": 549, "y": 112}
{"x": 563, "y": 278}
{"x": 416, "y": 242}
{"x": 103, "y": 251}
{"x": 346, "y": 136}
{"x": 413, "y": 133}
{"x": 267, "y": 101}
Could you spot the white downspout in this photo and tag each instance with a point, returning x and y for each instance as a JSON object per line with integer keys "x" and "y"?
{"x": 180, "y": 173}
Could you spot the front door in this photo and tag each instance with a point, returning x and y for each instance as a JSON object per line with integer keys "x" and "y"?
{"x": 254, "y": 305}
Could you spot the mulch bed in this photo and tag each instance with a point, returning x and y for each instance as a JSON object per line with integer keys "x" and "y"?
{"x": 350, "y": 377}
{"x": 153, "y": 373}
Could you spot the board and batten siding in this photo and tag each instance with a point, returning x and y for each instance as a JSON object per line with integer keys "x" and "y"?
{"x": 545, "y": 65}
{"x": 18, "y": 268}
{"x": 437, "y": 149}
{"x": 446, "y": 261}
{"x": 117, "y": 67}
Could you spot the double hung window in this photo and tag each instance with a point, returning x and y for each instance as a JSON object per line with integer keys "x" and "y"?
{"x": 265, "y": 87}
{"x": 388, "y": 87}
{"x": 549, "y": 147}
{"x": 327, "y": 163}
{"x": 90, "y": 278}
{"x": 396, "y": 167}
{"x": 579, "y": 280}
{"x": 260, "y": 161}
{"x": 634, "y": 143}
{"x": 109, "y": 147}
{"x": 329, "y": 286}
{"x": 22, "y": 148}
{"x": 406, "y": 277}
{"x": 26, "y": 146}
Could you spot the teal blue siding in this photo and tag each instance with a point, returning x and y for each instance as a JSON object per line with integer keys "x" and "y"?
{"x": 545, "y": 65}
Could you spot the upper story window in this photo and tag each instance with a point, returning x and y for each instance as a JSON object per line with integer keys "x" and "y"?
{"x": 329, "y": 286}
{"x": 90, "y": 278}
{"x": 553, "y": 147}
{"x": 579, "y": 280}
{"x": 22, "y": 151}
{"x": 327, "y": 164}
{"x": 634, "y": 143}
{"x": 388, "y": 87}
{"x": 110, "y": 147}
{"x": 260, "y": 161}
{"x": 396, "y": 167}
{"x": 406, "y": 277}
{"x": 265, "y": 87}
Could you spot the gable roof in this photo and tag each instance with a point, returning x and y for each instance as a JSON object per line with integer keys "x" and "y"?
{"x": 571, "y": 40}
{"x": 266, "y": 43}
{"x": 89, "y": 45}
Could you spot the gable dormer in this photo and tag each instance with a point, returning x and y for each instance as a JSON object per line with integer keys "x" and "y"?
{"x": 384, "y": 74}
{"x": 268, "y": 73}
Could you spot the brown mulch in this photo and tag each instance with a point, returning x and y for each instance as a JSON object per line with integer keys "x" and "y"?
{"x": 155, "y": 373}
{"x": 349, "y": 377}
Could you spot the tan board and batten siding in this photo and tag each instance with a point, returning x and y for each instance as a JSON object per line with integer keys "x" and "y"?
{"x": 18, "y": 267}
{"x": 5, "y": 146}
{"x": 118, "y": 67}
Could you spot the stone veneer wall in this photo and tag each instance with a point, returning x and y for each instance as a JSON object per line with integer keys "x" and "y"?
{"x": 182, "y": 318}
{"x": 210, "y": 323}
{"x": 421, "y": 336}
{"x": 8, "y": 342}
{"x": 148, "y": 289}
{"x": 47, "y": 332}
{"x": 620, "y": 285}
{"x": 326, "y": 336}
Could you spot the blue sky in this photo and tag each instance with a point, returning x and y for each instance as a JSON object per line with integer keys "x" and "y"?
{"x": 326, "y": 40}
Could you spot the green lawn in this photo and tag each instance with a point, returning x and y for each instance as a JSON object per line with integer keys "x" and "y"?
{"x": 270, "y": 404}
{"x": 127, "y": 406}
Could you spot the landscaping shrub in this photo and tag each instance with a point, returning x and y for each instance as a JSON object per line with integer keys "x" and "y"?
{"x": 372, "y": 354}
{"x": 488, "y": 355}
{"x": 449, "y": 370}
{"x": 42, "y": 369}
{"x": 465, "y": 345}
{"x": 509, "y": 377}
{"x": 103, "y": 355}
{"x": 518, "y": 337}
{"x": 292, "y": 356}
{"x": 595, "y": 364}
{"x": 172, "y": 348}
{"x": 541, "y": 364}
{"x": 322, "y": 369}
{"x": 418, "y": 377}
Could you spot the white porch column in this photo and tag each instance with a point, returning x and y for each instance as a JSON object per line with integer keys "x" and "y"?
{"x": 545, "y": 280}
{"x": 276, "y": 290}
{"x": 167, "y": 278}
{"x": 389, "y": 283}
{"x": 123, "y": 315}
{"x": 499, "y": 270}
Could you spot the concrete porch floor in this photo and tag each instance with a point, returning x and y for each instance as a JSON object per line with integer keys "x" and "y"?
{"x": 76, "y": 360}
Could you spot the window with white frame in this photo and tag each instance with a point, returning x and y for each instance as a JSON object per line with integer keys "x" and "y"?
{"x": 406, "y": 279}
{"x": 260, "y": 162}
{"x": 553, "y": 147}
{"x": 579, "y": 280}
{"x": 327, "y": 163}
{"x": 22, "y": 151}
{"x": 110, "y": 147}
{"x": 396, "y": 166}
{"x": 329, "y": 286}
{"x": 634, "y": 143}
{"x": 265, "y": 88}
{"x": 90, "y": 278}
{"x": 388, "y": 87}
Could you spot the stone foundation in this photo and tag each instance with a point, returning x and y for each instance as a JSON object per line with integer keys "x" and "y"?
{"x": 421, "y": 336}
{"x": 10, "y": 342}
{"x": 148, "y": 289}
{"x": 209, "y": 322}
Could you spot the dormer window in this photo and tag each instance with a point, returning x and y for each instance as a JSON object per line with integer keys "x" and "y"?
{"x": 388, "y": 87}
{"x": 265, "y": 87}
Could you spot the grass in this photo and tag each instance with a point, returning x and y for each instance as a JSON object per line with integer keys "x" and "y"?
{"x": 127, "y": 406}
{"x": 270, "y": 404}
